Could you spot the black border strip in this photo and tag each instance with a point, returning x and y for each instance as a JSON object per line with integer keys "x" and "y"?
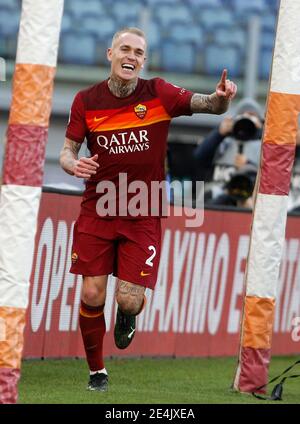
{"x": 68, "y": 192}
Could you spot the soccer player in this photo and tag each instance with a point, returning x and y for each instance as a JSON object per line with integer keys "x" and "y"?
{"x": 125, "y": 120}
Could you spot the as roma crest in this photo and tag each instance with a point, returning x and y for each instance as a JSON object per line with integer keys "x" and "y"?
{"x": 140, "y": 111}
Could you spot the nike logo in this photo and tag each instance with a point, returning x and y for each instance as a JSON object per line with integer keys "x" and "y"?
{"x": 91, "y": 347}
{"x": 144, "y": 274}
{"x": 131, "y": 333}
{"x": 99, "y": 119}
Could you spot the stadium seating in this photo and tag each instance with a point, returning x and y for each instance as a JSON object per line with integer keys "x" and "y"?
{"x": 204, "y": 3}
{"x": 210, "y": 18}
{"x": 234, "y": 35}
{"x": 9, "y": 4}
{"x": 267, "y": 40}
{"x": 101, "y": 26}
{"x": 153, "y": 34}
{"x": 183, "y": 32}
{"x": 78, "y": 8}
{"x": 178, "y": 56}
{"x": 124, "y": 11}
{"x": 273, "y": 4}
{"x": 215, "y": 29}
{"x": 67, "y": 22}
{"x": 78, "y": 47}
{"x": 167, "y": 14}
{"x": 269, "y": 21}
{"x": 154, "y": 3}
{"x": 265, "y": 63}
{"x": 9, "y": 22}
{"x": 258, "y": 6}
{"x": 217, "y": 57}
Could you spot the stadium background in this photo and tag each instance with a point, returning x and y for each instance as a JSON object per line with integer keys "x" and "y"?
{"x": 190, "y": 42}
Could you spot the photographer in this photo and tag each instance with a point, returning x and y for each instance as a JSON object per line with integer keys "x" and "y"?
{"x": 234, "y": 144}
{"x": 238, "y": 190}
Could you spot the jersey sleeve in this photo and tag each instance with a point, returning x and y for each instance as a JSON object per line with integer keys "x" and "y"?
{"x": 76, "y": 128}
{"x": 176, "y": 100}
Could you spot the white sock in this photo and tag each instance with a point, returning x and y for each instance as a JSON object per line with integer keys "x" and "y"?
{"x": 103, "y": 371}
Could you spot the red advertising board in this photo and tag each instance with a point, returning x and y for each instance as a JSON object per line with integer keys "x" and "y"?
{"x": 195, "y": 309}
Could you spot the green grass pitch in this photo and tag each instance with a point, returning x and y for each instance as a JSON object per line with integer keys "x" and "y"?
{"x": 149, "y": 381}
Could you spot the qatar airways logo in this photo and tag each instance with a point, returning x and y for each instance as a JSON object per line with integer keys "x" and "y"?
{"x": 125, "y": 142}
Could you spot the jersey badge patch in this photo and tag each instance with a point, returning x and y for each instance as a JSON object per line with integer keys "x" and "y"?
{"x": 140, "y": 111}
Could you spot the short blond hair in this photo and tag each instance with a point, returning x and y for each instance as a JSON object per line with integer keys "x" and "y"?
{"x": 130, "y": 30}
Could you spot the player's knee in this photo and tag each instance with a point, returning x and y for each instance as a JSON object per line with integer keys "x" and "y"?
{"x": 129, "y": 305}
{"x": 89, "y": 296}
{"x": 92, "y": 295}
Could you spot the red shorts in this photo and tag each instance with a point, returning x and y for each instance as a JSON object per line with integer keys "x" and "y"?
{"x": 128, "y": 248}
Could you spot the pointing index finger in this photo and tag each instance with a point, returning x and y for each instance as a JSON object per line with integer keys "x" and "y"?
{"x": 224, "y": 76}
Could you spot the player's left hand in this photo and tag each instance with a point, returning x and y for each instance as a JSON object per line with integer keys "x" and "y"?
{"x": 226, "y": 88}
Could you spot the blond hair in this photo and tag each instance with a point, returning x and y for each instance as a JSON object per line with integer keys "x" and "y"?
{"x": 131, "y": 30}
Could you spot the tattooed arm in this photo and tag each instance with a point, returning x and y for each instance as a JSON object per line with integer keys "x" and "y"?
{"x": 81, "y": 168}
{"x": 209, "y": 103}
{"x": 217, "y": 102}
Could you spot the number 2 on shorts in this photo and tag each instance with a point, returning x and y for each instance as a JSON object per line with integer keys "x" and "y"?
{"x": 150, "y": 259}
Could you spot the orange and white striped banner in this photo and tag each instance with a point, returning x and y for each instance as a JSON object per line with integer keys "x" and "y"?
{"x": 270, "y": 211}
{"x": 22, "y": 176}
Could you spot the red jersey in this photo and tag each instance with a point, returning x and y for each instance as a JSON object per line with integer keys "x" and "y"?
{"x": 129, "y": 134}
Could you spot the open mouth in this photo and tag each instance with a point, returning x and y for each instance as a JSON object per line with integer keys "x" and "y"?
{"x": 128, "y": 66}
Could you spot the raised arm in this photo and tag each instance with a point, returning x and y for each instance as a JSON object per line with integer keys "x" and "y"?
{"x": 218, "y": 101}
{"x": 81, "y": 168}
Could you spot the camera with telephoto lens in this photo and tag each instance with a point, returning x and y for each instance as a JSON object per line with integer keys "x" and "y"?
{"x": 245, "y": 128}
{"x": 242, "y": 182}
